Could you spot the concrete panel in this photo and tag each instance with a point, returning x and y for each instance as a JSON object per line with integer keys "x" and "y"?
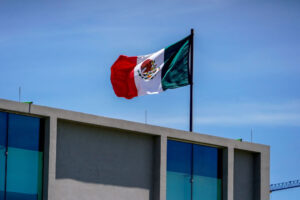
{"x": 228, "y": 163}
{"x": 156, "y": 167}
{"x": 99, "y": 163}
{"x": 163, "y": 169}
{"x": 246, "y": 175}
{"x": 52, "y": 156}
{"x": 230, "y": 175}
{"x": 265, "y": 175}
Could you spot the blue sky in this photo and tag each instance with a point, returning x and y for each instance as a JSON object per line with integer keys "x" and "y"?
{"x": 246, "y": 64}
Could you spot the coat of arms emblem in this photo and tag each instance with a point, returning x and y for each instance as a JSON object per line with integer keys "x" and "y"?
{"x": 148, "y": 69}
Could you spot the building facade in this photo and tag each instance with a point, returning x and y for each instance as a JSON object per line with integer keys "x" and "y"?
{"x": 54, "y": 154}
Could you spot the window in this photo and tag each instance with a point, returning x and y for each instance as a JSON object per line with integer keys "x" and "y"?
{"x": 193, "y": 172}
{"x": 21, "y": 159}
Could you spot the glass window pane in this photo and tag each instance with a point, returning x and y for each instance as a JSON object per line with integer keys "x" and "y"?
{"x": 24, "y": 158}
{"x": 207, "y": 178}
{"x": 24, "y": 132}
{"x": 3, "y": 133}
{"x": 179, "y": 160}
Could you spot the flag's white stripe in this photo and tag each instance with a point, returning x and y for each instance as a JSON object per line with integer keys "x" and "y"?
{"x": 152, "y": 86}
{"x": 141, "y": 59}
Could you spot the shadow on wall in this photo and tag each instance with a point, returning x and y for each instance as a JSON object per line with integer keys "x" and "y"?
{"x": 104, "y": 156}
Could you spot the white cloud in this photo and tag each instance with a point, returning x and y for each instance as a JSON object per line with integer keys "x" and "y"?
{"x": 286, "y": 113}
{"x": 289, "y": 119}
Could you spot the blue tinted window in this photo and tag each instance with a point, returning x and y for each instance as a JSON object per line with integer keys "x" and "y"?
{"x": 207, "y": 182}
{"x": 193, "y": 172}
{"x": 179, "y": 171}
{"x": 21, "y": 170}
{"x": 179, "y": 157}
{"x": 24, "y": 132}
{"x": 205, "y": 161}
{"x": 3, "y": 123}
{"x": 3, "y": 132}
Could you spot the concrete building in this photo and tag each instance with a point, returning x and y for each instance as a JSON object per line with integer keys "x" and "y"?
{"x": 54, "y": 154}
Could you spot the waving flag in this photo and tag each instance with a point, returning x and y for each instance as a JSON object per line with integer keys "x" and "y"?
{"x": 165, "y": 69}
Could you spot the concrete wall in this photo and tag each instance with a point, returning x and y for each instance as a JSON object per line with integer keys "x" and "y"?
{"x": 102, "y": 163}
{"x": 246, "y": 175}
{"x": 135, "y": 155}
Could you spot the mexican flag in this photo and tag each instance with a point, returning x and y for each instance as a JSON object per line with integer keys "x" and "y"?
{"x": 165, "y": 69}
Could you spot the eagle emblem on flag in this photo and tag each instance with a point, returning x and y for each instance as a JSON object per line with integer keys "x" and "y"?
{"x": 148, "y": 69}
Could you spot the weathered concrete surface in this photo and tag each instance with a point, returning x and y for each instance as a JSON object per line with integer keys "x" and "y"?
{"x": 107, "y": 160}
{"x": 96, "y": 125}
{"x": 246, "y": 175}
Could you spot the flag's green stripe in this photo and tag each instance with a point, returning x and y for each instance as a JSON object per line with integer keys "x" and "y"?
{"x": 175, "y": 72}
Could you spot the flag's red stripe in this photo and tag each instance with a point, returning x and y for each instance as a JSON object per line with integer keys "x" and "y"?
{"x": 122, "y": 77}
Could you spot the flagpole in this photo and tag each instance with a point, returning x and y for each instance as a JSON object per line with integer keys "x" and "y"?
{"x": 191, "y": 79}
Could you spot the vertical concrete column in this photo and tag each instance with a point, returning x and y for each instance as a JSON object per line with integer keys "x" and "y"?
{"x": 230, "y": 173}
{"x": 52, "y": 131}
{"x": 156, "y": 166}
{"x": 265, "y": 174}
{"x": 163, "y": 168}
